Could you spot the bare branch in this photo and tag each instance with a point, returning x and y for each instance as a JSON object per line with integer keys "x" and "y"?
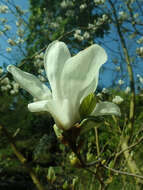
{"x": 123, "y": 173}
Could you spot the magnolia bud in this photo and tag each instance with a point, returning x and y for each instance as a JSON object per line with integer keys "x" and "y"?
{"x": 51, "y": 175}
{"x": 74, "y": 182}
{"x": 65, "y": 185}
{"x": 74, "y": 160}
{"x": 58, "y": 132}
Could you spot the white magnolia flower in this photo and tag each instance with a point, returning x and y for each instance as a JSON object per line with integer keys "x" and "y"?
{"x": 140, "y": 78}
{"x": 127, "y": 90}
{"x": 5, "y": 81}
{"x": 90, "y": 26}
{"x": 1, "y": 33}
{"x": 83, "y": 6}
{"x": 136, "y": 15}
{"x": 8, "y": 86}
{"x": 78, "y": 37}
{"x": 19, "y": 41}
{"x": 8, "y": 49}
{"x": 1, "y": 71}
{"x": 7, "y": 27}
{"x": 117, "y": 100}
{"x": 99, "y": 1}
{"x": 18, "y": 23}
{"x": 15, "y": 85}
{"x": 139, "y": 41}
{"x": 11, "y": 42}
{"x": 86, "y": 35}
{"x": 120, "y": 82}
{"x": 3, "y": 88}
{"x": 3, "y": 9}
{"x": 118, "y": 68}
{"x": 99, "y": 95}
{"x": 104, "y": 17}
{"x": 105, "y": 90}
{"x": 42, "y": 78}
{"x": 3, "y": 20}
{"x": 78, "y": 31}
{"x": 123, "y": 15}
{"x": 65, "y": 4}
{"x": 12, "y": 92}
{"x": 71, "y": 80}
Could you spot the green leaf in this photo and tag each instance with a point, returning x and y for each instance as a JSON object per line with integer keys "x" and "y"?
{"x": 87, "y": 105}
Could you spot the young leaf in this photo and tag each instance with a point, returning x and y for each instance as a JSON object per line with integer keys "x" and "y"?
{"x": 87, "y": 105}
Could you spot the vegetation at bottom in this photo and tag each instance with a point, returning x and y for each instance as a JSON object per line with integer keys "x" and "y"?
{"x": 36, "y": 140}
{"x": 117, "y": 27}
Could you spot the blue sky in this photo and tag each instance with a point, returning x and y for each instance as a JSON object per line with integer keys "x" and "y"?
{"x": 105, "y": 77}
{"x": 25, "y": 5}
{"x": 4, "y": 56}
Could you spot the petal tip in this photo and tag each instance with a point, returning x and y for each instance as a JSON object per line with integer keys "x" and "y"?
{"x": 103, "y": 52}
{"x": 9, "y": 68}
{"x": 28, "y": 106}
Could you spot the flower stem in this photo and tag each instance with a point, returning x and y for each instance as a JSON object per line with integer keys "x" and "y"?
{"x": 97, "y": 141}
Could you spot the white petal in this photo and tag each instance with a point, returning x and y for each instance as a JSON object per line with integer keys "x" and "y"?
{"x": 63, "y": 113}
{"x": 106, "y": 108}
{"x": 39, "y": 106}
{"x": 80, "y": 74}
{"x": 55, "y": 57}
{"x": 117, "y": 100}
{"x": 30, "y": 83}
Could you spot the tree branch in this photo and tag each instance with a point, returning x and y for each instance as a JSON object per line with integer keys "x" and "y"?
{"x": 121, "y": 172}
{"x": 22, "y": 159}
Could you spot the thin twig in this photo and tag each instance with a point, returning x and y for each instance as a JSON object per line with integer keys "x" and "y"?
{"x": 131, "y": 146}
{"x": 65, "y": 34}
{"x": 97, "y": 141}
{"x": 121, "y": 172}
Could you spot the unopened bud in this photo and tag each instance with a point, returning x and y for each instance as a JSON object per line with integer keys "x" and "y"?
{"x": 65, "y": 185}
{"x": 74, "y": 182}
{"x": 74, "y": 160}
{"x": 51, "y": 175}
{"x": 58, "y": 132}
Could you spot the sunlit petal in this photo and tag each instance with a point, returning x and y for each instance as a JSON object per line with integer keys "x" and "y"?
{"x": 39, "y": 106}
{"x": 55, "y": 57}
{"x": 106, "y": 108}
{"x": 30, "y": 83}
{"x": 81, "y": 72}
{"x": 71, "y": 80}
{"x": 63, "y": 113}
